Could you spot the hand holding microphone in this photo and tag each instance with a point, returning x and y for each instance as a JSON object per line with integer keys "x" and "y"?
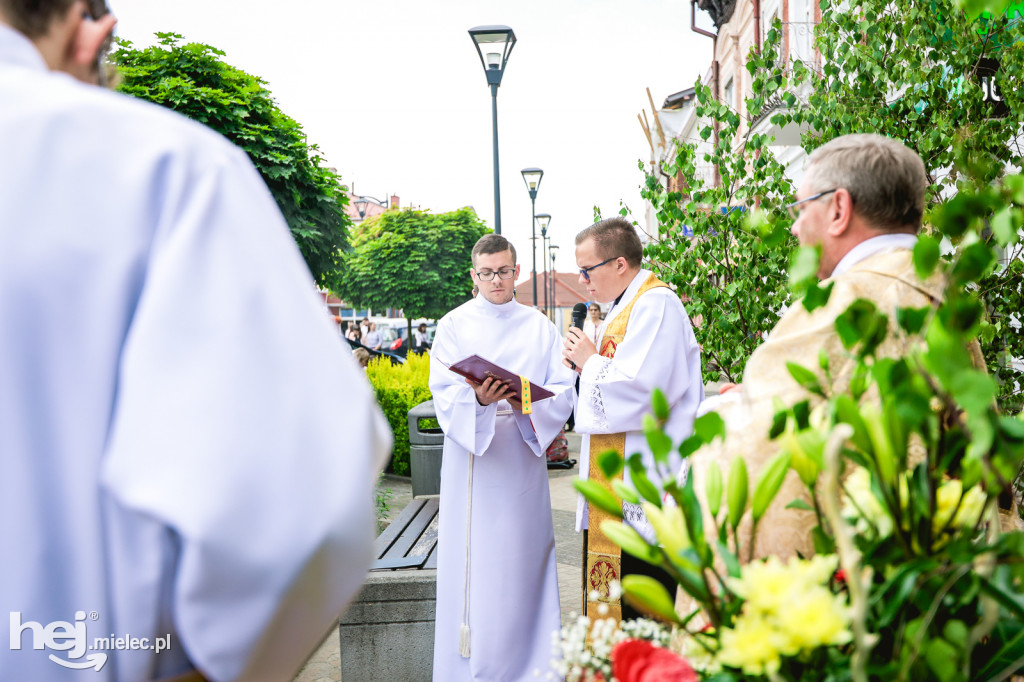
{"x": 572, "y": 341}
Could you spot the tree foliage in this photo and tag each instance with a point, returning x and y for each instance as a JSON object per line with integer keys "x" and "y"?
{"x": 733, "y": 273}
{"x": 915, "y": 70}
{"x": 920, "y": 71}
{"x": 192, "y": 79}
{"x": 411, "y": 259}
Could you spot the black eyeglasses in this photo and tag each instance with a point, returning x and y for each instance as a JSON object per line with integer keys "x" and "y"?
{"x": 488, "y": 275}
{"x": 585, "y": 272}
{"x": 794, "y": 208}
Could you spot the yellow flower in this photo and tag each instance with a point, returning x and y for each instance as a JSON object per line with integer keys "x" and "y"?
{"x": 766, "y": 586}
{"x": 814, "y": 618}
{"x": 753, "y": 645}
{"x": 788, "y": 609}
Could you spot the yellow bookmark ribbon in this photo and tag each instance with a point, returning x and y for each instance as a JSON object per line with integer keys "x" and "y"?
{"x": 524, "y": 395}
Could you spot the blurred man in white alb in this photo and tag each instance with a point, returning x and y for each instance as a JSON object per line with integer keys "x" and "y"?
{"x": 171, "y": 391}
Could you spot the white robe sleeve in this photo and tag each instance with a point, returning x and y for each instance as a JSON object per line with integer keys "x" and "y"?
{"x": 464, "y": 420}
{"x": 243, "y": 426}
{"x": 549, "y": 416}
{"x": 615, "y": 393}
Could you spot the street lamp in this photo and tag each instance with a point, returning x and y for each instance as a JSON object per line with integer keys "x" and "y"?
{"x": 532, "y": 178}
{"x": 498, "y": 42}
{"x": 544, "y": 219}
{"x": 554, "y": 282}
{"x": 363, "y": 201}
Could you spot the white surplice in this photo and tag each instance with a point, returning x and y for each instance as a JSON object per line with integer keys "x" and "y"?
{"x": 510, "y": 578}
{"x": 659, "y": 350}
{"x": 186, "y": 447}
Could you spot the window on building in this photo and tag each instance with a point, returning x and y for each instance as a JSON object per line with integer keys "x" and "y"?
{"x": 729, "y": 94}
{"x": 801, "y": 30}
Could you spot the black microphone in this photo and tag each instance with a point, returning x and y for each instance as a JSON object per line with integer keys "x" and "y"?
{"x": 579, "y": 313}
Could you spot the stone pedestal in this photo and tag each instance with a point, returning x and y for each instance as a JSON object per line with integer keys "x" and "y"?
{"x": 388, "y": 631}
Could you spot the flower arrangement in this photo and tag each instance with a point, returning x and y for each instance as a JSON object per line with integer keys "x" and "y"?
{"x": 908, "y": 467}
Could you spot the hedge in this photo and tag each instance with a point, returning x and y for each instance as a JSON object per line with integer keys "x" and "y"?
{"x": 400, "y": 388}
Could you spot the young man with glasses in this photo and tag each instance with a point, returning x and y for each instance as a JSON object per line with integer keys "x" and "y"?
{"x": 645, "y": 342}
{"x": 861, "y": 201}
{"x": 170, "y": 456}
{"x": 497, "y": 590}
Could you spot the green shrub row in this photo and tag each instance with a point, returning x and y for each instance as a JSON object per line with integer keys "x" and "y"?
{"x": 400, "y": 388}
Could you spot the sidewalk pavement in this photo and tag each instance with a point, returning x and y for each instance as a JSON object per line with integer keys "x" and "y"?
{"x": 325, "y": 664}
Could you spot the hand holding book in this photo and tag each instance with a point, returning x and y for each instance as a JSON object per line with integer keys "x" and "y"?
{"x": 517, "y": 389}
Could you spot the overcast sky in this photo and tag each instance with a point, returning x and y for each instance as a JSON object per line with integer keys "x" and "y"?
{"x": 393, "y": 93}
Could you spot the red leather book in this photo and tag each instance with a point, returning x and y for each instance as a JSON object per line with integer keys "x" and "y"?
{"x": 478, "y": 369}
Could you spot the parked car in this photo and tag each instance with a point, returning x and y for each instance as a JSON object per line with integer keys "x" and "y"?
{"x": 395, "y": 358}
{"x": 396, "y": 339}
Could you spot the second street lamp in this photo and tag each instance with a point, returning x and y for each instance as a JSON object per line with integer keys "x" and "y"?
{"x": 544, "y": 219}
{"x": 532, "y": 178}
{"x": 498, "y": 41}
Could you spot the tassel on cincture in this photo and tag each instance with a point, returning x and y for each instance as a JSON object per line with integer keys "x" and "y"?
{"x": 464, "y": 641}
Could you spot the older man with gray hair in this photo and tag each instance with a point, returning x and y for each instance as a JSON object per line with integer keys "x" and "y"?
{"x": 862, "y": 202}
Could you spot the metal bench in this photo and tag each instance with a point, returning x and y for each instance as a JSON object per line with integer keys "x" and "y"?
{"x": 388, "y": 631}
{"x": 410, "y": 541}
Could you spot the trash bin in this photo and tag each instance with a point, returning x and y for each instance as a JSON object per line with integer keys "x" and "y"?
{"x": 426, "y": 442}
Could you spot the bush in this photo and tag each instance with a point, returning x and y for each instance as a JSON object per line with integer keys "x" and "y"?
{"x": 400, "y": 388}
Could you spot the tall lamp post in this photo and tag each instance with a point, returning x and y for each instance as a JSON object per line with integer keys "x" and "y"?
{"x": 554, "y": 303}
{"x": 532, "y": 178}
{"x": 544, "y": 219}
{"x": 498, "y": 42}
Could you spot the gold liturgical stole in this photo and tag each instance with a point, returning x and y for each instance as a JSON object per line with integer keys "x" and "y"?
{"x": 602, "y": 558}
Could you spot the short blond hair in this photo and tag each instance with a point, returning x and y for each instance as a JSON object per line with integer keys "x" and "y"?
{"x": 615, "y": 237}
{"x": 885, "y": 178}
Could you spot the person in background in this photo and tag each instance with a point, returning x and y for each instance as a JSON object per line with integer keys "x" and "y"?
{"x": 364, "y": 326}
{"x": 171, "y": 467}
{"x": 362, "y": 356}
{"x": 593, "y": 323}
{"x": 421, "y": 342}
{"x": 372, "y": 339}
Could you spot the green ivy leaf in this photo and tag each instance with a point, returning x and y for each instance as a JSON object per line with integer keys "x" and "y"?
{"x": 657, "y": 440}
{"x": 610, "y": 462}
{"x": 816, "y": 296}
{"x": 926, "y": 255}
{"x": 709, "y": 426}
{"x": 807, "y": 379}
{"x": 659, "y": 403}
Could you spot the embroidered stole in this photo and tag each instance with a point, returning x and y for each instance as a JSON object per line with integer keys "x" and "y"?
{"x": 602, "y": 558}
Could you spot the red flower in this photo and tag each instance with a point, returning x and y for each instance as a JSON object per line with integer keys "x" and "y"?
{"x": 840, "y": 576}
{"x": 637, "y": 660}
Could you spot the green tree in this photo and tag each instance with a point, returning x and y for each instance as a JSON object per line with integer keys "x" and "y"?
{"x": 192, "y": 79}
{"x": 920, "y": 71}
{"x": 410, "y": 259}
{"x": 733, "y": 273}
